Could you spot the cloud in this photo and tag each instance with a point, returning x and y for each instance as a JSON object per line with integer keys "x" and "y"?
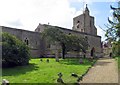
{"x": 15, "y": 23}
{"x": 32, "y": 12}
{"x": 91, "y": 1}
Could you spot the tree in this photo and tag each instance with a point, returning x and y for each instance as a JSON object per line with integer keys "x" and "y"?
{"x": 67, "y": 42}
{"x": 116, "y": 48}
{"x": 55, "y": 35}
{"x": 76, "y": 43}
{"x": 14, "y": 51}
{"x": 113, "y": 31}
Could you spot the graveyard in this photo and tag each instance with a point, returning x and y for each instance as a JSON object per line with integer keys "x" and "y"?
{"x": 54, "y": 53}
{"x": 44, "y": 71}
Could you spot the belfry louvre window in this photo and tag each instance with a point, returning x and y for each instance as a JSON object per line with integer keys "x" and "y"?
{"x": 78, "y": 24}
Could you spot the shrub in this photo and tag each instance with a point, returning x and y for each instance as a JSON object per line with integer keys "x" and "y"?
{"x": 116, "y": 48}
{"x": 14, "y": 51}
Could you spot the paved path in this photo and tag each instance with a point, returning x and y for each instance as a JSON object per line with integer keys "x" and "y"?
{"x": 104, "y": 71}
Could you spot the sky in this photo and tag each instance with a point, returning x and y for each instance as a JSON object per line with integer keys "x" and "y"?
{"x": 27, "y": 14}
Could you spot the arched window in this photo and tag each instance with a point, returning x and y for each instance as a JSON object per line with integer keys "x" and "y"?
{"x": 86, "y": 37}
{"x": 77, "y": 25}
{"x": 78, "y": 21}
{"x": 82, "y": 30}
{"x": 26, "y": 41}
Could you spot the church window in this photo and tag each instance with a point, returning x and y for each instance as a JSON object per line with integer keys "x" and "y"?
{"x": 81, "y": 30}
{"x": 78, "y": 25}
{"x": 86, "y": 37}
{"x": 78, "y": 21}
{"x": 26, "y": 41}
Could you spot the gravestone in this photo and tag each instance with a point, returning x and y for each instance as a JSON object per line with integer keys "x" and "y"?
{"x": 47, "y": 60}
{"x": 41, "y": 60}
{"x": 5, "y": 82}
{"x": 75, "y": 75}
{"x": 81, "y": 61}
{"x": 59, "y": 80}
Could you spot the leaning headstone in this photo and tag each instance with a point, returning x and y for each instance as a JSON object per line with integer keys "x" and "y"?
{"x": 5, "y": 82}
{"x": 59, "y": 80}
{"x": 41, "y": 60}
{"x": 47, "y": 60}
{"x": 75, "y": 75}
{"x": 81, "y": 61}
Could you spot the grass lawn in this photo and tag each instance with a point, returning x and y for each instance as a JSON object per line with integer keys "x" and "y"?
{"x": 118, "y": 58}
{"x": 43, "y": 72}
{"x": 119, "y": 63}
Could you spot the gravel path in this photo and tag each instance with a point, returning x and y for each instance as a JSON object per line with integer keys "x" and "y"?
{"x": 104, "y": 71}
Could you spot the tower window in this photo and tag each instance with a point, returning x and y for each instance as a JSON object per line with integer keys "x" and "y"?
{"x": 78, "y": 21}
{"x": 82, "y": 30}
{"x": 77, "y": 25}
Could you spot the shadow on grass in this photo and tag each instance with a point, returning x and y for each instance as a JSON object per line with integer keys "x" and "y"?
{"x": 76, "y": 62}
{"x": 18, "y": 70}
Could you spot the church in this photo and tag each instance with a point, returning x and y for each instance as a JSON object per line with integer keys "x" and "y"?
{"x": 83, "y": 25}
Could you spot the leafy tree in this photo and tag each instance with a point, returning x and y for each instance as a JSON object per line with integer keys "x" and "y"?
{"x": 14, "y": 51}
{"x": 113, "y": 31}
{"x": 116, "y": 48}
{"x": 55, "y": 35}
{"x": 67, "y": 42}
{"x": 76, "y": 43}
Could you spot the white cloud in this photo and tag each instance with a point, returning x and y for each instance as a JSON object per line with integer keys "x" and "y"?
{"x": 32, "y": 12}
{"x": 91, "y": 1}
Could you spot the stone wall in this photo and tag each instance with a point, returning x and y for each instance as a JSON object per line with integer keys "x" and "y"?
{"x": 32, "y": 37}
{"x": 93, "y": 40}
{"x": 79, "y": 20}
{"x": 86, "y": 23}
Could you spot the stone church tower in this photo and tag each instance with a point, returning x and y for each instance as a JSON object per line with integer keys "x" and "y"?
{"x": 84, "y": 23}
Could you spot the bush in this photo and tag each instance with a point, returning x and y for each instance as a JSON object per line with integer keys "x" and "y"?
{"x": 116, "y": 48}
{"x": 14, "y": 51}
